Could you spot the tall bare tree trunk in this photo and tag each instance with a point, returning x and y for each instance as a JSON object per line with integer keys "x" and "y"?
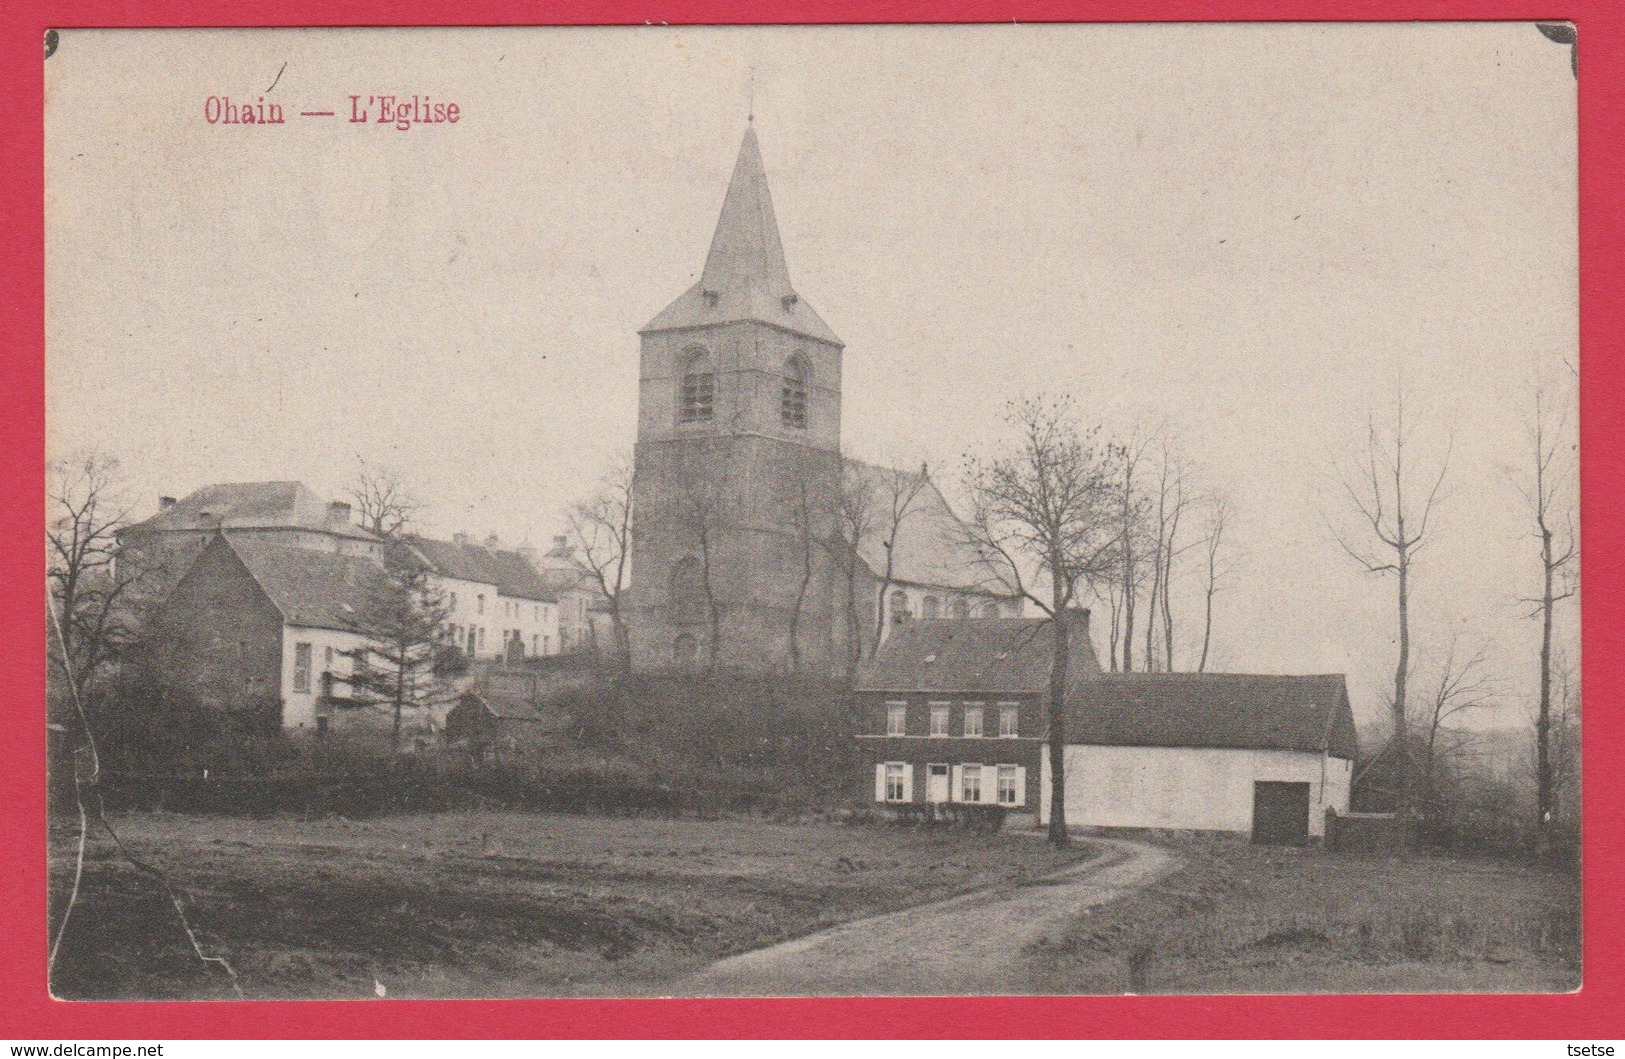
{"x": 1207, "y": 629}
{"x": 1544, "y": 787}
{"x": 1058, "y": 681}
{"x": 1156, "y": 590}
{"x": 1218, "y": 515}
{"x": 1543, "y": 493}
{"x": 1167, "y": 589}
{"x": 1376, "y": 486}
{"x": 1402, "y": 670}
{"x": 1130, "y": 586}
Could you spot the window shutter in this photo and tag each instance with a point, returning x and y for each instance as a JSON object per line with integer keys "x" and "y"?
{"x": 908, "y": 783}
{"x": 1021, "y": 786}
{"x": 956, "y": 780}
{"x": 880, "y": 782}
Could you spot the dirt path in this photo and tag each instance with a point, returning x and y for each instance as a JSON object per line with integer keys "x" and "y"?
{"x": 968, "y": 944}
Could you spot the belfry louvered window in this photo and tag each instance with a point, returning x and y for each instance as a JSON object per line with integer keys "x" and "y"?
{"x": 793, "y": 394}
{"x": 699, "y": 392}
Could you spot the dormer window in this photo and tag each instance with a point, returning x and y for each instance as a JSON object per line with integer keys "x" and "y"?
{"x": 697, "y": 402}
{"x": 793, "y": 394}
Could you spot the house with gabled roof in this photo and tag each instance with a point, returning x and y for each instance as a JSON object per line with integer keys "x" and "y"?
{"x": 498, "y": 604}
{"x": 922, "y": 563}
{"x": 266, "y": 631}
{"x": 953, "y": 713}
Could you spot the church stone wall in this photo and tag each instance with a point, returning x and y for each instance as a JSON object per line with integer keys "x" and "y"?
{"x": 741, "y": 497}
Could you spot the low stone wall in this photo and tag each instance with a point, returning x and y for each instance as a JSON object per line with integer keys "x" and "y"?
{"x": 1366, "y": 832}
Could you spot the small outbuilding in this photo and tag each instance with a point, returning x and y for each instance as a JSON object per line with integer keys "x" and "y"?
{"x": 507, "y": 712}
{"x": 953, "y": 713}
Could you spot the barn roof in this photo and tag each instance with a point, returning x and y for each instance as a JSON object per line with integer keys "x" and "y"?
{"x": 972, "y": 655}
{"x": 250, "y": 505}
{"x": 312, "y": 589}
{"x": 1225, "y": 710}
{"x": 510, "y": 573}
{"x": 509, "y": 707}
{"x": 932, "y": 548}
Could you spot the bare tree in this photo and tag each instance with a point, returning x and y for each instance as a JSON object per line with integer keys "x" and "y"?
{"x": 383, "y": 502}
{"x": 1131, "y": 519}
{"x": 94, "y": 600}
{"x": 854, "y": 519}
{"x": 1049, "y": 501}
{"x": 1395, "y": 525}
{"x": 1462, "y": 688}
{"x": 1111, "y": 594}
{"x": 898, "y": 497}
{"x": 1170, "y": 510}
{"x": 1217, "y": 514}
{"x": 1564, "y": 731}
{"x": 809, "y": 510}
{"x": 1546, "y": 493}
{"x": 703, "y": 515}
{"x": 602, "y": 528}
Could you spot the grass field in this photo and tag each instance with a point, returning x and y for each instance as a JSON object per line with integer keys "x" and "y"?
{"x": 1236, "y": 918}
{"x": 488, "y": 904}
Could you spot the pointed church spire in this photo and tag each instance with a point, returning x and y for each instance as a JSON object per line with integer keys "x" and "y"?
{"x": 745, "y": 277}
{"x": 746, "y": 247}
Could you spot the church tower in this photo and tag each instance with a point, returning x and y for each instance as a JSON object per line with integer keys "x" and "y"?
{"x": 738, "y": 458}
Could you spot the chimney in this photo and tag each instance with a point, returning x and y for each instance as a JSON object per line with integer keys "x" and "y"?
{"x": 493, "y": 542}
{"x": 1078, "y": 620}
{"x": 561, "y": 548}
{"x": 528, "y": 553}
{"x": 165, "y": 503}
{"x": 338, "y": 512}
{"x": 460, "y": 539}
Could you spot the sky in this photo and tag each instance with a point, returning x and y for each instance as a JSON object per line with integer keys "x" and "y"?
{"x": 1245, "y": 238}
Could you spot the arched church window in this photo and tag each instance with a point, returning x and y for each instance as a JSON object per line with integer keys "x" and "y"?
{"x": 688, "y": 590}
{"x": 697, "y": 402}
{"x": 961, "y": 608}
{"x": 899, "y": 607}
{"x": 793, "y": 394}
{"x": 930, "y": 608}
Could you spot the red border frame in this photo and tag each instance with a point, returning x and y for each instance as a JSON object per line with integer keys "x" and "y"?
{"x": 26, "y": 1009}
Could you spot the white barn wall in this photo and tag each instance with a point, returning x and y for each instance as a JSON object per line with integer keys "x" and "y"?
{"x": 1189, "y": 788}
{"x": 298, "y": 707}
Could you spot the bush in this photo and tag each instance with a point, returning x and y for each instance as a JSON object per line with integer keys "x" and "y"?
{"x": 985, "y": 818}
{"x": 658, "y": 743}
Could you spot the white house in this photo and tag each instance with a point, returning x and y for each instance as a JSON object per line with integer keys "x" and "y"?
{"x": 499, "y": 604}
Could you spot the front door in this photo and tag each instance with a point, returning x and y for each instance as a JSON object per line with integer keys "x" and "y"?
{"x": 936, "y": 783}
{"x": 1281, "y": 814}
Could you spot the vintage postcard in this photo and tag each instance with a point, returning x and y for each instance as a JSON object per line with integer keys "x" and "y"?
{"x": 812, "y": 511}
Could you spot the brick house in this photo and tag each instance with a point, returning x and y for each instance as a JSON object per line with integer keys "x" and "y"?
{"x": 258, "y": 628}
{"x": 953, "y": 712}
